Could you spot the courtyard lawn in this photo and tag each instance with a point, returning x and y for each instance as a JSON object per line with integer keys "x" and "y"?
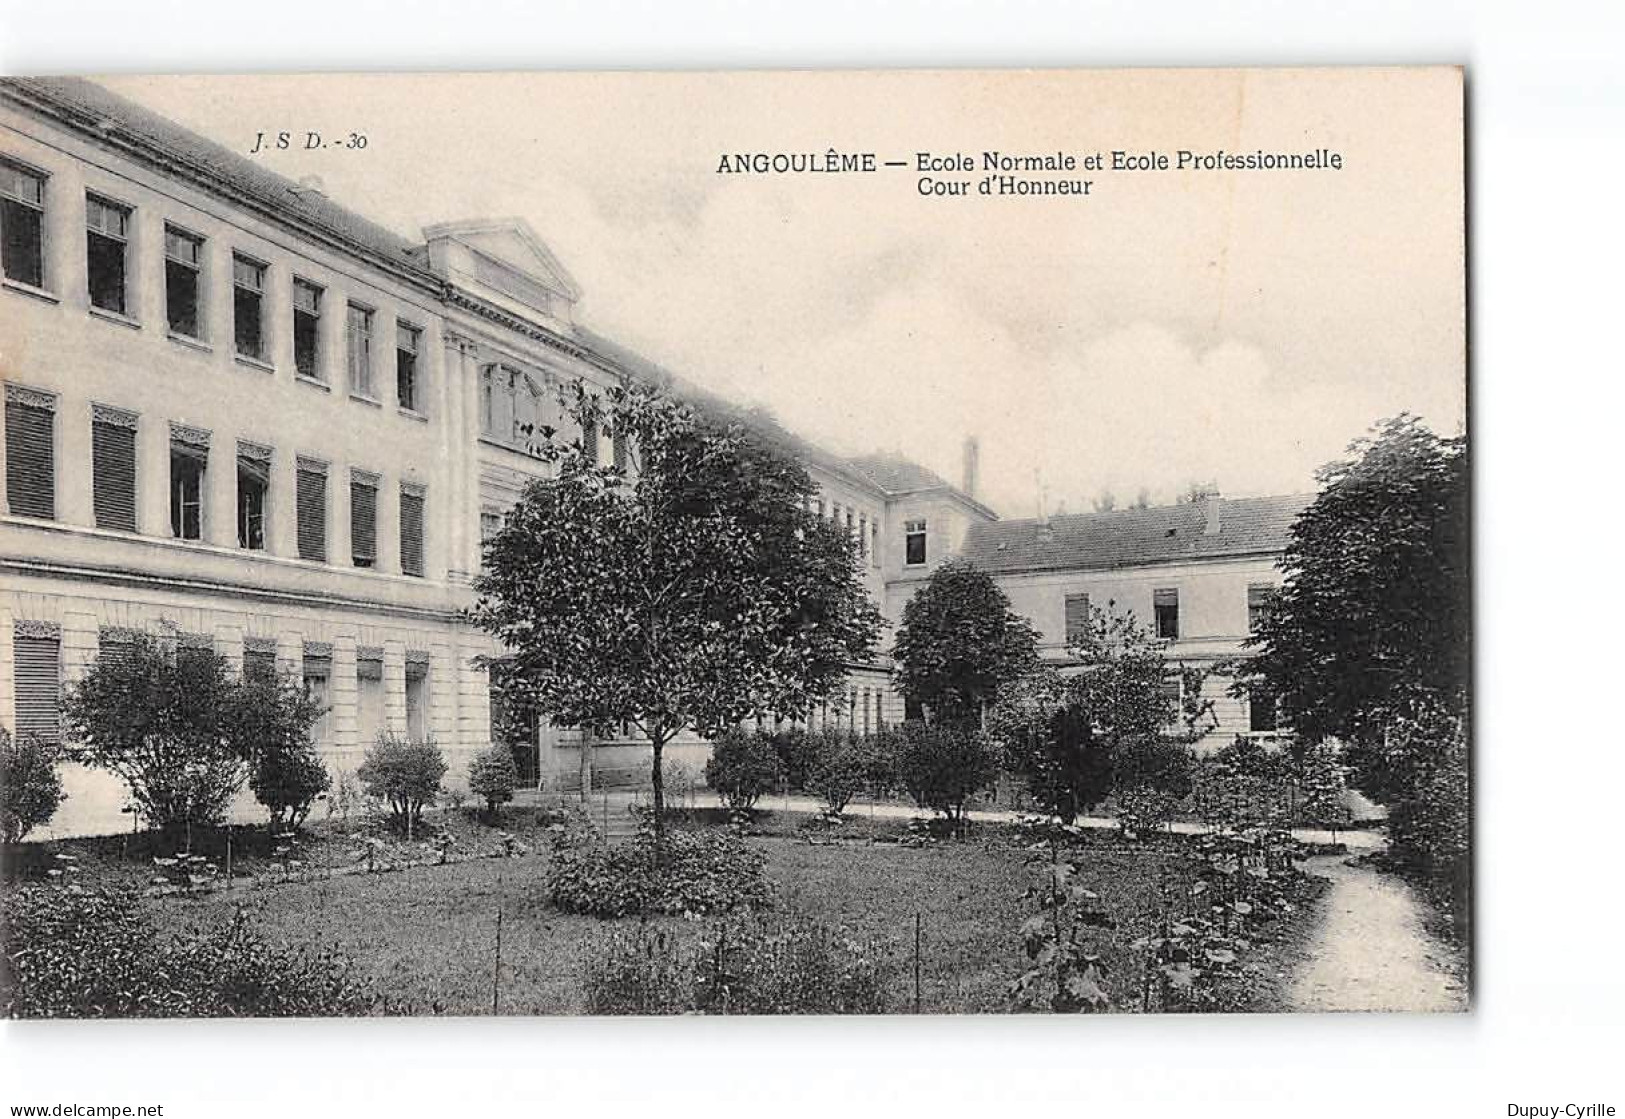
{"x": 426, "y": 936}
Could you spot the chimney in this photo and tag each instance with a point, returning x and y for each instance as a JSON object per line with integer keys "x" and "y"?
{"x": 972, "y": 465}
{"x": 310, "y": 184}
{"x": 1211, "y": 505}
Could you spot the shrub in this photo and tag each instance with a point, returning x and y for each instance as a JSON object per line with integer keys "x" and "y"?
{"x": 30, "y": 788}
{"x": 171, "y": 723}
{"x": 845, "y": 765}
{"x": 797, "y": 750}
{"x": 406, "y": 774}
{"x": 275, "y": 714}
{"x": 742, "y": 966}
{"x": 943, "y": 765}
{"x": 743, "y": 768}
{"x": 492, "y": 776}
{"x": 694, "y": 873}
{"x": 93, "y": 954}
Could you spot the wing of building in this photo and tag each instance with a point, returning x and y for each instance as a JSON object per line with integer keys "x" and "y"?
{"x": 240, "y": 413}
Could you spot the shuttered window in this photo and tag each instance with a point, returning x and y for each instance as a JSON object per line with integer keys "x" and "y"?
{"x": 411, "y": 531}
{"x": 620, "y": 449}
{"x": 1077, "y": 617}
{"x": 1260, "y": 600}
{"x": 30, "y": 453}
{"x": 259, "y": 664}
{"x": 38, "y": 669}
{"x": 363, "y": 519}
{"x": 1165, "y": 603}
{"x": 112, "y": 460}
{"x": 310, "y": 502}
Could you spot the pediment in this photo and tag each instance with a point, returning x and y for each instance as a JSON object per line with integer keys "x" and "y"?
{"x": 503, "y": 248}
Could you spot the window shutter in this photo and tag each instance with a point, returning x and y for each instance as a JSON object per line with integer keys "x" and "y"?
{"x": 1077, "y": 616}
{"x": 411, "y": 532}
{"x": 112, "y": 451}
{"x": 363, "y": 519}
{"x": 30, "y": 453}
{"x": 37, "y": 666}
{"x": 310, "y": 500}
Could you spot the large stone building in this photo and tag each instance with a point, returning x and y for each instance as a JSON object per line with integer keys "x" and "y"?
{"x": 242, "y": 415}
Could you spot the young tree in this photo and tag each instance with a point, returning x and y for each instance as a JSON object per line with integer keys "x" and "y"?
{"x": 165, "y": 720}
{"x": 960, "y": 643}
{"x": 405, "y": 773}
{"x": 275, "y": 714}
{"x": 945, "y": 763}
{"x": 493, "y": 776}
{"x": 1110, "y": 723}
{"x": 691, "y": 587}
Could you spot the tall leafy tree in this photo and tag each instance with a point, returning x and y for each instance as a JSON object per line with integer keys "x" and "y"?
{"x": 960, "y": 643}
{"x": 1373, "y": 622}
{"x": 686, "y": 586}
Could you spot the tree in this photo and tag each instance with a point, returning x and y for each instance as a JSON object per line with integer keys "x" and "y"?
{"x": 276, "y": 714}
{"x": 690, "y": 587}
{"x": 405, "y": 773}
{"x": 168, "y": 721}
{"x": 493, "y": 775}
{"x": 960, "y": 643}
{"x": 30, "y": 787}
{"x": 1110, "y": 723}
{"x": 1373, "y": 623}
{"x": 945, "y": 763}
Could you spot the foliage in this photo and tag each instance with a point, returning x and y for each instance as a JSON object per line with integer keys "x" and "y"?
{"x": 695, "y": 588}
{"x": 275, "y": 714}
{"x": 1374, "y": 619}
{"x": 30, "y": 787}
{"x": 404, "y": 773}
{"x": 171, "y": 723}
{"x": 743, "y": 768}
{"x": 1110, "y": 725}
{"x": 1321, "y": 784}
{"x": 744, "y": 965}
{"x": 944, "y": 764}
{"x": 493, "y": 776}
{"x": 960, "y": 644}
{"x": 1431, "y": 829}
{"x": 845, "y": 764}
{"x": 92, "y": 954}
{"x": 1245, "y": 784}
{"x": 1065, "y": 973}
{"x": 685, "y": 873}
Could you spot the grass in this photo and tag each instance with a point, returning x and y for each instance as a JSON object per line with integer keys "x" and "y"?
{"x": 426, "y": 936}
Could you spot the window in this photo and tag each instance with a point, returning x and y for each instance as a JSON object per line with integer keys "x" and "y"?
{"x": 490, "y": 525}
{"x": 248, "y": 306}
{"x": 369, "y": 697}
{"x": 411, "y": 530}
{"x": 358, "y": 340}
{"x": 914, "y": 543}
{"x": 107, "y": 243}
{"x": 874, "y": 543}
{"x": 863, "y": 535}
{"x": 417, "y": 696}
{"x": 1262, "y": 717}
{"x": 30, "y": 452}
{"x": 363, "y": 518}
{"x": 318, "y": 674}
{"x": 22, "y": 225}
{"x": 1165, "y": 604}
{"x": 589, "y": 440}
{"x": 259, "y": 659}
{"x": 621, "y": 451}
{"x": 307, "y": 333}
{"x": 1173, "y": 692}
{"x": 112, "y": 467}
{"x": 37, "y": 668}
{"x": 849, "y": 522}
{"x": 183, "y": 267}
{"x": 406, "y": 366}
{"x": 310, "y": 509}
{"x": 1077, "y": 617}
{"x": 188, "y": 462}
{"x": 253, "y": 486}
{"x": 1260, "y": 600}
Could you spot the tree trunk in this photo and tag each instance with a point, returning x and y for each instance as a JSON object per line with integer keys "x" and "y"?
{"x": 659, "y": 780}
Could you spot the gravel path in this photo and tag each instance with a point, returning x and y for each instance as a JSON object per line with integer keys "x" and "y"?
{"x": 1371, "y": 951}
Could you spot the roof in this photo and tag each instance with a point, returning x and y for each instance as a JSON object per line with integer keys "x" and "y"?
{"x": 1161, "y": 534}
{"x": 178, "y": 149}
{"x": 896, "y": 474}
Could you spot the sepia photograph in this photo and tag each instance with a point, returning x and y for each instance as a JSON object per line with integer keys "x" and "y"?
{"x": 865, "y": 542}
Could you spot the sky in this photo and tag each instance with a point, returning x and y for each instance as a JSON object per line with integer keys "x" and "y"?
{"x": 1237, "y": 328}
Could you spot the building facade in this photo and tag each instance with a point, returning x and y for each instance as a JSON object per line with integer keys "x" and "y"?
{"x": 243, "y": 416}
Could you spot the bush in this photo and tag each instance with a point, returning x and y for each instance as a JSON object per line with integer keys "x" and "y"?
{"x": 797, "y": 750}
{"x": 30, "y": 788}
{"x": 93, "y": 954}
{"x": 743, "y": 966}
{"x": 943, "y": 765}
{"x": 276, "y": 714}
{"x": 743, "y": 768}
{"x": 845, "y": 765}
{"x": 695, "y": 873}
{"x": 171, "y": 723}
{"x": 404, "y": 773}
{"x": 492, "y": 776}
